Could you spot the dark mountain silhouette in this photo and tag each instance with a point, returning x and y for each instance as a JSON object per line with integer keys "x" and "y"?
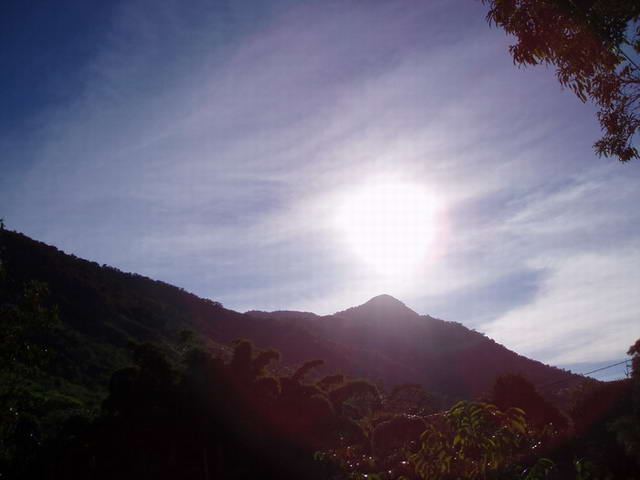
{"x": 378, "y": 308}
{"x": 385, "y": 340}
{"x": 104, "y": 311}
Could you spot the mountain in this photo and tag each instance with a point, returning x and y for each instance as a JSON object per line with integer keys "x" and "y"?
{"x": 378, "y": 308}
{"x": 104, "y": 311}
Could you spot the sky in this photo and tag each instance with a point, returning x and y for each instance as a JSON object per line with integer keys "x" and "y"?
{"x": 214, "y": 145}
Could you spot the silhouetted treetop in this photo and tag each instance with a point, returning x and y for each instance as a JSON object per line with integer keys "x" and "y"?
{"x": 516, "y": 391}
{"x": 594, "y": 46}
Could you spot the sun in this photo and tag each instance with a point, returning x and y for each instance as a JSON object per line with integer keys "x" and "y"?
{"x": 390, "y": 225}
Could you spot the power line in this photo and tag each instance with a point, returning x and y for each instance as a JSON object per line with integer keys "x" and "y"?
{"x": 563, "y": 380}
{"x": 604, "y": 368}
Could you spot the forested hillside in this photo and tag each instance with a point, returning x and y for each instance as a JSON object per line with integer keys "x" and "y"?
{"x": 106, "y": 309}
{"x": 111, "y": 375}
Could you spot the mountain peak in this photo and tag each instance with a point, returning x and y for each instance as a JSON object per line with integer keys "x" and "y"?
{"x": 384, "y": 300}
{"x": 380, "y": 306}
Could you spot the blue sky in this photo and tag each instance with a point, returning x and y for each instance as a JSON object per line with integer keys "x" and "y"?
{"x": 210, "y": 146}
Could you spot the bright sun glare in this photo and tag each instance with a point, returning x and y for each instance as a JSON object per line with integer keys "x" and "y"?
{"x": 392, "y": 226}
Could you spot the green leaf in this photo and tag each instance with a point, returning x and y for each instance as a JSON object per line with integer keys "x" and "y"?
{"x": 519, "y": 426}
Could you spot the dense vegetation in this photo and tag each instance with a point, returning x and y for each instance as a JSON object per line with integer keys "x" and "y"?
{"x": 129, "y": 383}
{"x": 207, "y": 418}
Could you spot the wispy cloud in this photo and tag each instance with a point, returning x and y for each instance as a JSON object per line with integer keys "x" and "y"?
{"x": 584, "y": 237}
{"x": 585, "y": 311}
{"x": 209, "y": 144}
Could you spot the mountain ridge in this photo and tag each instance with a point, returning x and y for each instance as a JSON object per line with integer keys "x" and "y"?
{"x": 381, "y": 339}
{"x": 379, "y": 306}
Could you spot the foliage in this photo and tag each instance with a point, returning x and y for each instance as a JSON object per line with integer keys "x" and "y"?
{"x": 410, "y": 399}
{"x": 330, "y": 381}
{"x": 26, "y": 323}
{"x": 539, "y": 470}
{"x": 175, "y": 403}
{"x": 305, "y": 369}
{"x": 209, "y": 419}
{"x": 516, "y": 391}
{"x": 627, "y": 426}
{"x": 592, "y": 44}
{"x": 391, "y": 436}
{"x": 471, "y": 440}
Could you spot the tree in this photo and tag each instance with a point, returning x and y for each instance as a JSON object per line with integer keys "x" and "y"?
{"x": 27, "y": 325}
{"x": 594, "y": 46}
{"x": 634, "y": 352}
{"x": 411, "y": 399}
{"x": 512, "y": 390}
{"x": 627, "y": 427}
{"x": 472, "y": 440}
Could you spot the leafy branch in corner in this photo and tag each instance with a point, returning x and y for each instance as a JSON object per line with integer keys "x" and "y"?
{"x": 594, "y": 46}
